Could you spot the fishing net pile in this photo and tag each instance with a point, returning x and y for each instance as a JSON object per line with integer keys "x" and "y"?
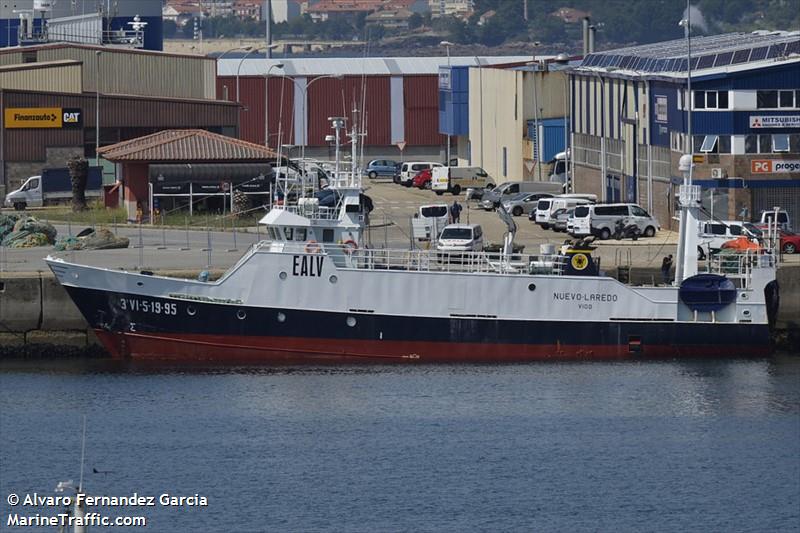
{"x": 89, "y": 239}
{"x": 28, "y": 232}
{"x": 7, "y": 225}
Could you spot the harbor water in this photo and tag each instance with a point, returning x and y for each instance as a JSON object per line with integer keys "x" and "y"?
{"x": 634, "y": 446}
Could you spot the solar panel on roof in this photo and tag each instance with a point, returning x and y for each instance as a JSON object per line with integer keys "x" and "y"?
{"x": 776, "y": 50}
{"x": 740, "y": 56}
{"x": 792, "y": 48}
{"x": 706, "y": 61}
{"x": 639, "y": 64}
{"x": 627, "y": 61}
{"x": 759, "y": 53}
{"x": 723, "y": 59}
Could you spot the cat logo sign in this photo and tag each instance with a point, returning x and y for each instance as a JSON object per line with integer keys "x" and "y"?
{"x": 579, "y": 261}
{"x": 42, "y": 117}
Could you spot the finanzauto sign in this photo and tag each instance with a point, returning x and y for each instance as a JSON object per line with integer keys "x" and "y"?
{"x": 777, "y": 121}
{"x": 42, "y": 117}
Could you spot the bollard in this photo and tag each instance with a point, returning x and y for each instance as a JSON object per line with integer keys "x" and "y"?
{"x": 141, "y": 247}
{"x": 114, "y": 223}
{"x": 208, "y": 249}
{"x": 186, "y": 225}
{"x": 233, "y": 227}
{"x": 163, "y": 236}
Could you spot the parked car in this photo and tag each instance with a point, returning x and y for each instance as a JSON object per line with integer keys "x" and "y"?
{"x": 601, "y": 220}
{"x": 381, "y": 167}
{"x": 423, "y": 179}
{"x": 559, "y": 219}
{"x": 524, "y": 202}
{"x": 412, "y": 168}
{"x": 492, "y": 199}
{"x": 714, "y": 234}
{"x": 784, "y": 222}
{"x": 790, "y": 242}
{"x": 461, "y": 238}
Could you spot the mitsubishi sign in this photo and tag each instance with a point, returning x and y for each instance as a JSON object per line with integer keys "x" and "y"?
{"x": 776, "y": 121}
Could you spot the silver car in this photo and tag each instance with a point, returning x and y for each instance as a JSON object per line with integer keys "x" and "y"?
{"x": 524, "y": 202}
{"x": 559, "y": 219}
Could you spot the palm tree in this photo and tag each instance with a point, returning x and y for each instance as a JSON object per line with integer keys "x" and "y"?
{"x": 78, "y": 173}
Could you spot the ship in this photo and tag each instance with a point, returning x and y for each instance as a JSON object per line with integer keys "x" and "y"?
{"x": 314, "y": 292}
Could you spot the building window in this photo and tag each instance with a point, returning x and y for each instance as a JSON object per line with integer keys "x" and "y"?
{"x": 699, "y": 99}
{"x": 780, "y": 143}
{"x": 724, "y": 144}
{"x": 751, "y": 144}
{"x": 709, "y": 144}
{"x": 711, "y": 99}
{"x": 661, "y": 109}
{"x": 786, "y": 99}
{"x": 505, "y": 162}
{"x": 766, "y": 99}
{"x": 794, "y": 143}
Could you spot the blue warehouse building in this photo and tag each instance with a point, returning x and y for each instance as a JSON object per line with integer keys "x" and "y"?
{"x": 630, "y": 123}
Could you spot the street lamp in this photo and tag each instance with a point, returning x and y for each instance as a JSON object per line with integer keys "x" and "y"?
{"x": 98, "y": 53}
{"x": 266, "y": 102}
{"x": 448, "y": 44}
{"x": 304, "y": 114}
{"x": 535, "y": 66}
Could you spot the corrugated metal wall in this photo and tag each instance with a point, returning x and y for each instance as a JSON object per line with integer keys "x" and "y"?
{"x": 327, "y": 97}
{"x": 331, "y": 97}
{"x": 64, "y": 78}
{"x": 131, "y": 72}
{"x": 421, "y": 96}
{"x": 138, "y": 115}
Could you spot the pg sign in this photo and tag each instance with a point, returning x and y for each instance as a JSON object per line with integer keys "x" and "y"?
{"x": 774, "y": 166}
{"x": 43, "y": 117}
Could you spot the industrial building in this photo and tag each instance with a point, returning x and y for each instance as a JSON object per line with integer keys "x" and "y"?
{"x": 51, "y": 95}
{"x": 399, "y": 99}
{"x": 110, "y": 22}
{"x": 629, "y": 123}
{"x": 491, "y": 111}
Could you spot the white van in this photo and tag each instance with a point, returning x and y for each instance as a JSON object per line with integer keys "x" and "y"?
{"x": 546, "y": 206}
{"x": 412, "y": 168}
{"x": 457, "y": 179}
{"x": 600, "y": 220}
{"x": 461, "y": 238}
{"x": 713, "y": 234}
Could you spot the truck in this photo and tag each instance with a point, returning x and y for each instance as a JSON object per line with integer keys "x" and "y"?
{"x": 52, "y": 186}
{"x": 457, "y": 179}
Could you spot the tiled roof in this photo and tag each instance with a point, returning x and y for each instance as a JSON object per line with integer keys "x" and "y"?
{"x": 186, "y": 146}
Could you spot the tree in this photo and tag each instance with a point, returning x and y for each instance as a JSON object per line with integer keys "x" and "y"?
{"x": 78, "y": 174}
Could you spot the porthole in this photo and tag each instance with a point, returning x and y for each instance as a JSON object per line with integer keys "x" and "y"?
{"x": 281, "y": 317}
{"x": 282, "y": 275}
{"x": 351, "y": 321}
{"x": 191, "y": 311}
{"x": 241, "y": 314}
{"x": 333, "y": 279}
{"x": 139, "y": 283}
{"x": 531, "y": 287}
{"x": 746, "y": 312}
{"x": 744, "y": 296}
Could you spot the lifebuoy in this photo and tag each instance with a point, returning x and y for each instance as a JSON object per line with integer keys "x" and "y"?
{"x": 349, "y": 246}
{"x": 313, "y": 247}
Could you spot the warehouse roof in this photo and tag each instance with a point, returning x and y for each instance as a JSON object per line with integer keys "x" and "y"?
{"x": 397, "y": 66}
{"x": 740, "y": 51}
{"x": 186, "y": 146}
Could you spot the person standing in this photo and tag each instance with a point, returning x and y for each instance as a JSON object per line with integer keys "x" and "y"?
{"x": 455, "y": 212}
{"x": 666, "y": 266}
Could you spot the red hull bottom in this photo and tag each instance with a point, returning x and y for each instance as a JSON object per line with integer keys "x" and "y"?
{"x": 294, "y": 350}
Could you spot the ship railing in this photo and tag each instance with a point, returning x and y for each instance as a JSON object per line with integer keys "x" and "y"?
{"x": 740, "y": 265}
{"x": 313, "y": 212}
{"x": 347, "y": 256}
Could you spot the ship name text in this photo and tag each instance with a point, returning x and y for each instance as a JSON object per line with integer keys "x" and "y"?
{"x": 307, "y": 265}
{"x": 585, "y": 297}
